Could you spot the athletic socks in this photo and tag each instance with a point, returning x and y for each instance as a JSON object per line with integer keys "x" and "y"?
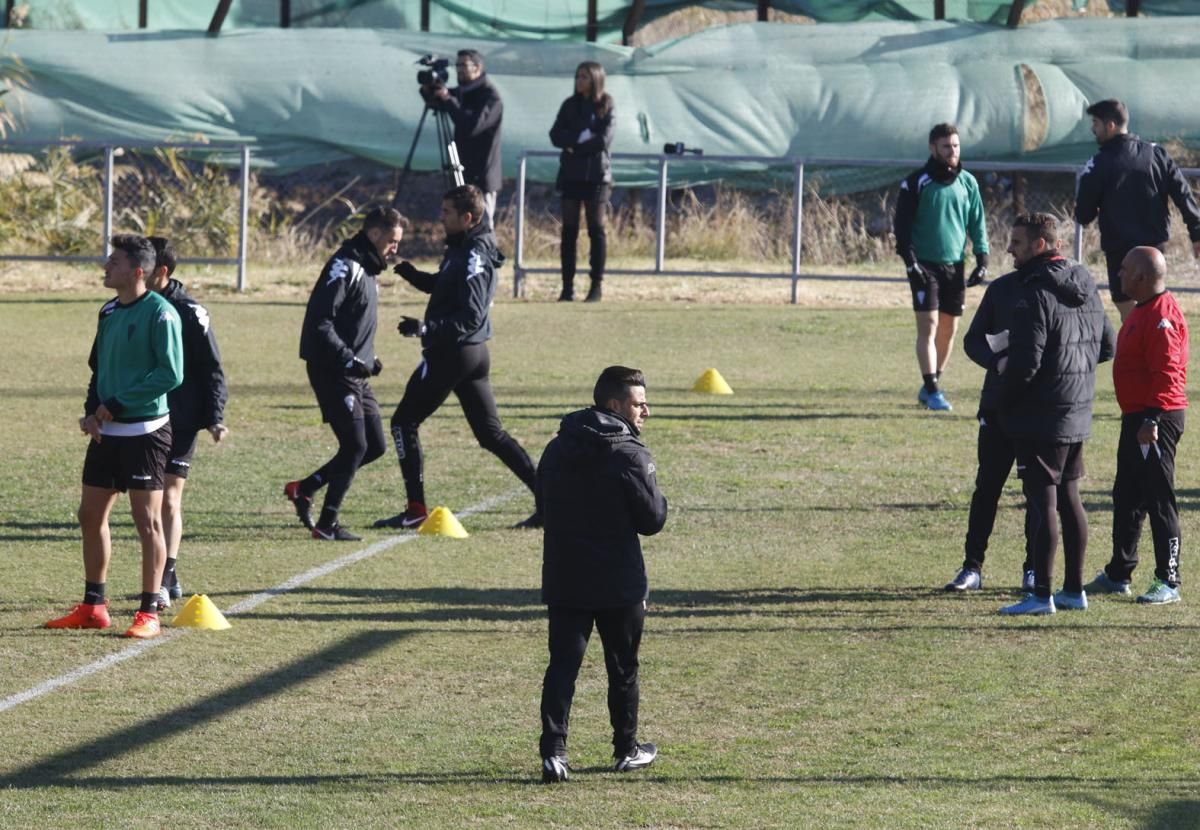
{"x": 328, "y": 518}
{"x": 312, "y": 484}
{"x": 93, "y": 593}
{"x": 168, "y": 578}
{"x": 931, "y": 383}
{"x": 149, "y": 603}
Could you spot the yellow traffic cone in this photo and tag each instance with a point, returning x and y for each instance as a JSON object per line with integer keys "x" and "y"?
{"x": 712, "y": 383}
{"x": 199, "y": 612}
{"x": 441, "y": 522}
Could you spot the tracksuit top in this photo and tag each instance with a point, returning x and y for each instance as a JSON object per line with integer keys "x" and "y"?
{"x": 938, "y": 208}
{"x": 341, "y": 316}
{"x": 199, "y": 402}
{"x": 1150, "y": 369}
{"x": 136, "y": 359}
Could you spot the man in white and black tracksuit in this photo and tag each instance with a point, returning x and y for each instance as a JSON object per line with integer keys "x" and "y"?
{"x": 454, "y": 352}
{"x": 597, "y": 491}
{"x": 337, "y": 344}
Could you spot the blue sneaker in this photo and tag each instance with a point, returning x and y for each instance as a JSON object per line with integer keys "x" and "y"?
{"x": 937, "y": 402}
{"x": 1067, "y": 601}
{"x": 922, "y": 395}
{"x": 1033, "y": 606}
{"x": 1104, "y": 584}
{"x": 966, "y": 580}
{"x": 1159, "y": 593}
{"x": 1028, "y": 581}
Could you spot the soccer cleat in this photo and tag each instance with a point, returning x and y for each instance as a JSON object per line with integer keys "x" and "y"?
{"x": 163, "y": 600}
{"x": 1159, "y": 593}
{"x": 1028, "y": 581}
{"x": 966, "y": 580}
{"x": 334, "y": 533}
{"x": 145, "y": 626}
{"x": 1104, "y": 584}
{"x": 938, "y": 403}
{"x": 922, "y": 395}
{"x": 642, "y": 755}
{"x": 83, "y": 616}
{"x": 410, "y": 518}
{"x": 175, "y": 590}
{"x": 532, "y": 523}
{"x": 1033, "y": 606}
{"x": 301, "y": 502}
{"x": 1066, "y": 601}
{"x": 555, "y": 770}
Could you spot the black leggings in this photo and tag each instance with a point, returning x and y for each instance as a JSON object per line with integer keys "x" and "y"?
{"x": 348, "y": 405}
{"x": 1043, "y": 500}
{"x": 596, "y": 212}
{"x": 462, "y": 370}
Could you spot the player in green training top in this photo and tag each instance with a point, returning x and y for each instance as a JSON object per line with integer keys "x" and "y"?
{"x": 938, "y": 208}
{"x": 137, "y": 358}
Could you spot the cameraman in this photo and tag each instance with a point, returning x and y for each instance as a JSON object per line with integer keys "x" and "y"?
{"x": 476, "y": 110}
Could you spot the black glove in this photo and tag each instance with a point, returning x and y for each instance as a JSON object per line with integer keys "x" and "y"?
{"x": 979, "y": 275}
{"x": 376, "y": 367}
{"x": 917, "y": 274}
{"x": 410, "y": 327}
{"x": 357, "y": 369}
{"x": 407, "y": 270}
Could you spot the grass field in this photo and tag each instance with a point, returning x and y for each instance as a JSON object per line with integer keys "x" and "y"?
{"x": 801, "y": 667}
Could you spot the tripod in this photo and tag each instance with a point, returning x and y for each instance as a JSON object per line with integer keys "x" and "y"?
{"x": 452, "y": 169}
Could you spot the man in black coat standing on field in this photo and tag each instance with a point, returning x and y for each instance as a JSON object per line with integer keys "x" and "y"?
{"x": 597, "y": 491}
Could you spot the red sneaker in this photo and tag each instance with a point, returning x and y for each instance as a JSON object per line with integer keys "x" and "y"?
{"x": 83, "y": 616}
{"x": 301, "y": 502}
{"x": 145, "y": 626}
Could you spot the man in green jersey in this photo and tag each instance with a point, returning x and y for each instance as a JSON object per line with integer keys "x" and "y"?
{"x": 939, "y": 207}
{"x": 137, "y": 358}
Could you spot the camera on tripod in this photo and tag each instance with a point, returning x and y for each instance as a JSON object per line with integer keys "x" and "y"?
{"x": 437, "y": 74}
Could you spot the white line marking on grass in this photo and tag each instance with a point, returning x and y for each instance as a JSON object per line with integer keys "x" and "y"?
{"x": 138, "y": 648}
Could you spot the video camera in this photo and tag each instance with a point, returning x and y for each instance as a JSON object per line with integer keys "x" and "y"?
{"x": 437, "y": 74}
{"x": 677, "y": 148}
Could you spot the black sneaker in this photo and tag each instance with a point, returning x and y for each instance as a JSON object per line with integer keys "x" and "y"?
{"x": 301, "y": 502}
{"x": 410, "y": 518}
{"x": 336, "y": 533}
{"x": 642, "y": 755}
{"x": 555, "y": 769}
{"x": 965, "y": 580}
{"x": 532, "y": 523}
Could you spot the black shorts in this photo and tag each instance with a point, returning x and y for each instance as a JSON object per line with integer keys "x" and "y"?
{"x": 944, "y": 289}
{"x": 341, "y": 398}
{"x": 183, "y": 447}
{"x": 137, "y": 462}
{"x": 1113, "y": 260}
{"x": 1042, "y": 464}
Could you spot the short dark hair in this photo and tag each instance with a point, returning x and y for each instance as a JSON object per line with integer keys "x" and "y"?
{"x": 944, "y": 130}
{"x": 1110, "y": 110}
{"x": 164, "y": 254}
{"x": 1039, "y": 225}
{"x": 466, "y": 198}
{"x": 473, "y": 56}
{"x": 614, "y": 383}
{"x": 138, "y": 248}
{"x": 385, "y": 218}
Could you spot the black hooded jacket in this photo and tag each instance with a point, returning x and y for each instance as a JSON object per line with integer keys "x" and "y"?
{"x": 339, "y": 323}
{"x": 199, "y": 402}
{"x": 461, "y": 292}
{"x": 993, "y": 316}
{"x": 587, "y": 162}
{"x": 596, "y": 490}
{"x": 477, "y": 112}
{"x": 1059, "y": 334}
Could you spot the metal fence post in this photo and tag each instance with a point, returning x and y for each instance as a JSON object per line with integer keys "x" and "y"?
{"x": 798, "y": 207}
{"x": 243, "y": 219}
{"x": 519, "y": 231}
{"x": 108, "y": 199}
{"x": 660, "y": 225}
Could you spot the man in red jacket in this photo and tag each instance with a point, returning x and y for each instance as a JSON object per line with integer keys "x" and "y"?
{"x": 1150, "y": 376}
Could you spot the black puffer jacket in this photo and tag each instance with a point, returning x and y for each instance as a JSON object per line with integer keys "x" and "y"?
{"x": 993, "y": 316}
{"x": 597, "y": 491}
{"x": 586, "y": 162}
{"x": 1059, "y": 334}
{"x": 477, "y": 113}
{"x": 199, "y": 402}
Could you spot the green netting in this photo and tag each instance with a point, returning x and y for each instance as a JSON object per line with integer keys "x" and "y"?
{"x": 867, "y": 90}
{"x": 555, "y": 19}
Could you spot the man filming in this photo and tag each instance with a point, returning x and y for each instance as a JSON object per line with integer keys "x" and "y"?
{"x": 476, "y": 110}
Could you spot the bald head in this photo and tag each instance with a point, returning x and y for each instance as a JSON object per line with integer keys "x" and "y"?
{"x": 1143, "y": 274}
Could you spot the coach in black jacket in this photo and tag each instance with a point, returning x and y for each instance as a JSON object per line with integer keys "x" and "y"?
{"x": 1127, "y": 184}
{"x": 597, "y": 491}
{"x": 1059, "y": 334}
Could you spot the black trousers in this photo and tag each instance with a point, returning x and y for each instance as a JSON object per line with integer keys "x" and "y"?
{"x": 350, "y": 408}
{"x": 462, "y": 370}
{"x": 621, "y": 635}
{"x": 1145, "y": 486}
{"x": 1050, "y": 476}
{"x": 996, "y": 455}
{"x": 595, "y": 208}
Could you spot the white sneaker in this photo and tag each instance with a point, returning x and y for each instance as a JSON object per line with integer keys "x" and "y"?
{"x": 642, "y": 755}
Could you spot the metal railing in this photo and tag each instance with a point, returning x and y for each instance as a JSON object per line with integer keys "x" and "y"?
{"x": 798, "y": 164}
{"x": 110, "y": 150}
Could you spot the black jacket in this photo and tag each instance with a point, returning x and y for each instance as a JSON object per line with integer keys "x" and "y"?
{"x": 587, "y": 162}
{"x": 461, "y": 292}
{"x": 199, "y": 402}
{"x": 1127, "y": 183}
{"x": 476, "y": 112}
{"x": 1059, "y": 333}
{"x": 339, "y": 323}
{"x": 993, "y": 316}
{"x": 596, "y": 490}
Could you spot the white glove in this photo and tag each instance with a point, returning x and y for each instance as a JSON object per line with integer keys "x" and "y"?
{"x": 584, "y": 136}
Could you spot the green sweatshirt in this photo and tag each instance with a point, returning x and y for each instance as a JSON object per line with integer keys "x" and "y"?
{"x": 137, "y": 358}
{"x": 947, "y": 215}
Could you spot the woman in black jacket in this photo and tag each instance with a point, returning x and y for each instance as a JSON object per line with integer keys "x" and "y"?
{"x": 583, "y": 131}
